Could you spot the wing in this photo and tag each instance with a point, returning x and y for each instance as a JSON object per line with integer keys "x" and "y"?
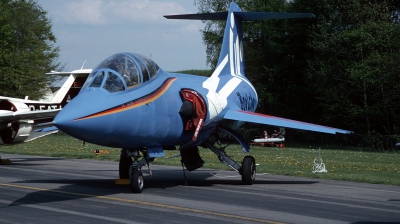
{"x": 240, "y": 115}
{"x": 28, "y": 115}
{"x": 19, "y": 100}
{"x": 41, "y": 132}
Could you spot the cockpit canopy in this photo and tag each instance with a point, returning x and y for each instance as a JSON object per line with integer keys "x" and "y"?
{"x": 122, "y": 71}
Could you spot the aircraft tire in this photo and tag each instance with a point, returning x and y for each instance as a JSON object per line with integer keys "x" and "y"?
{"x": 136, "y": 181}
{"x": 248, "y": 170}
{"x": 124, "y": 165}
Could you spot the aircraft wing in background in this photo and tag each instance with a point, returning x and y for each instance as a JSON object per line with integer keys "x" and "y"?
{"x": 23, "y": 126}
{"x": 241, "y": 115}
{"x": 28, "y": 115}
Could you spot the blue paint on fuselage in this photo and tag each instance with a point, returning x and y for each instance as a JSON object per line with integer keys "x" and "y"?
{"x": 156, "y": 123}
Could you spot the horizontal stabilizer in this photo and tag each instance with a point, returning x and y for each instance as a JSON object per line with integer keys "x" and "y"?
{"x": 200, "y": 16}
{"x": 240, "y": 115}
{"x": 84, "y": 72}
{"x": 244, "y": 16}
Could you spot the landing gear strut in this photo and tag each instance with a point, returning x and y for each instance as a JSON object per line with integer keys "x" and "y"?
{"x": 125, "y": 163}
{"x": 248, "y": 167}
{"x": 130, "y": 167}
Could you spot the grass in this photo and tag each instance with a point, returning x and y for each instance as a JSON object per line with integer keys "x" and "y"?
{"x": 347, "y": 165}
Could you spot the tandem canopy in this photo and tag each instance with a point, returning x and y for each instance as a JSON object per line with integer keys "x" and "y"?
{"x": 122, "y": 71}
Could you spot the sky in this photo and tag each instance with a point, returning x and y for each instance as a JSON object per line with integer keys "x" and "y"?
{"x": 92, "y": 30}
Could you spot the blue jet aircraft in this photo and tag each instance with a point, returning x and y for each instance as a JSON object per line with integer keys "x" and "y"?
{"x": 130, "y": 103}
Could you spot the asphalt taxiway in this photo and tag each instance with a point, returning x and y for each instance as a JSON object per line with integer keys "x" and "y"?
{"x": 36, "y": 189}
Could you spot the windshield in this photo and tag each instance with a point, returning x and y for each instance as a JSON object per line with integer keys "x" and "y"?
{"x": 108, "y": 80}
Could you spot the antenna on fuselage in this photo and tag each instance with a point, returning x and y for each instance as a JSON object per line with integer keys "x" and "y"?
{"x": 83, "y": 64}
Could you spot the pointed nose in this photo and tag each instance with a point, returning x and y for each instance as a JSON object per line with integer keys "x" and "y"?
{"x": 65, "y": 121}
{"x": 71, "y": 118}
{"x": 88, "y": 130}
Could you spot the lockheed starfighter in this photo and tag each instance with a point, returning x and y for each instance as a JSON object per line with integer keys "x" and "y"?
{"x": 129, "y": 102}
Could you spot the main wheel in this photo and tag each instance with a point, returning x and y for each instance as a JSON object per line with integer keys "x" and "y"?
{"x": 136, "y": 181}
{"x": 125, "y": 163}
{"x": 248, "y": 170}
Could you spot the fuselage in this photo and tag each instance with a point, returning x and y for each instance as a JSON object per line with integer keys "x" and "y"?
{"x": 147, "y": 114}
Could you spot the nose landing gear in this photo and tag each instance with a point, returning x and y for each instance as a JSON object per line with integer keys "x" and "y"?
{"x": 130, "y": 167}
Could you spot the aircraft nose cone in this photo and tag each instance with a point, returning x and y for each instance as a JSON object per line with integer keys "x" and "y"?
{"x": 68, "y": 119}
{"x": 78, "y": 119}
{"x": 61, "y": 121}
{"x": 64, "y": 121}
{"x": 68, "y": 122}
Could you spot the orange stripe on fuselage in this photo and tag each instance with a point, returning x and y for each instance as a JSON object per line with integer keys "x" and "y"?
{"x": 134, "y": 103}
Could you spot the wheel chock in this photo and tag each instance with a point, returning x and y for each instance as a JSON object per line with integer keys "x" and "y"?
{"x": 98, "y": 152}
{"x": 122, "y": 181}
{"x": 5, "y": 162}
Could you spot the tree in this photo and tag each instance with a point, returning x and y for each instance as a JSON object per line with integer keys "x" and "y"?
{"x": 355, "y": 65}
{"x": 27, "y": 49}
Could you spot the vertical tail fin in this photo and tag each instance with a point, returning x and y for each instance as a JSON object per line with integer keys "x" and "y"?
{"x": 232, "y": 45}
{"x": 68, "y": 89}
{"x": 231, "y": 58}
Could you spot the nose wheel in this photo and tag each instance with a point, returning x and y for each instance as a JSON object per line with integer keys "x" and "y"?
{"x": 136, "y": 181}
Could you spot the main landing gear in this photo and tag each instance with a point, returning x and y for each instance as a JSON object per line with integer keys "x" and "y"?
{"x": 248, "y": 167}
{"x": 133, "y": 159}
{"x": 131, "y": 168}
{"x": 248, "y": 170}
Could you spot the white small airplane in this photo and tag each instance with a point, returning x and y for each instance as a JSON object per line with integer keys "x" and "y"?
{"x": 23, "y": 120}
